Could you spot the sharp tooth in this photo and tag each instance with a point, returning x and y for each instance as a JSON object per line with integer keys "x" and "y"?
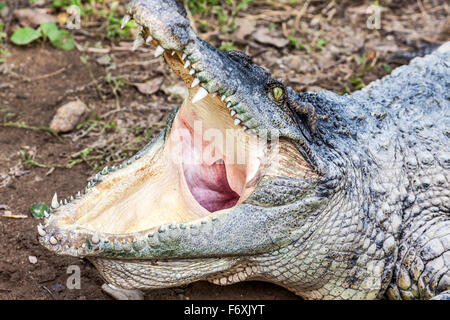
{"x": 183, "y": 56}
{"x": 244, "y": 128}
{"x": 105, "y": 170}
{"x": 60, "y": 202}
{"x": 53, "y": 240}
{"x": 229, "y": 105}
{"x": 65, "y": 201}
{"x": 138, "y": 42}
{"x": 222, "y": 98}
{"x": 46, "y": 214}
{"x": 233, "y": 113}
{"x": 201, "y": 93}
{"x": 192, "y": 71}
{"x": 236, "y": 122}
{"x": 41, "y": 231}
{"x": 78, "y": 194}
{"x": 95, "y": 239}
{"x": 173, "y": 52}
{"x": 71, "y": 198}
{"x": 55, "y": 201}
{"x": 149, "y": 38}
{"x": 159, "y": 51}
{"x": 195, "y": 82}
{"x": 187, "y": 64}
{"x": 125, "y": 21}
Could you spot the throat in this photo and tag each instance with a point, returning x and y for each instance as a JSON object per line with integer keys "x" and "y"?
{"x": 209, "y": 186}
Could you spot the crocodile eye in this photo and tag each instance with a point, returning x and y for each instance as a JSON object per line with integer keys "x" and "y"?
{"x": 277, "y": 93}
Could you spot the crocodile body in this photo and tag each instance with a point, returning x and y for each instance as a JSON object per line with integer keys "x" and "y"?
{"x": 367, "y": 218}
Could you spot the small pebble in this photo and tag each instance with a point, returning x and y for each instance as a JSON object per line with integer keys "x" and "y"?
{"x": 68, "y": 116}
{"x": 57, "y": 287}
{"x": 32, "y": 259}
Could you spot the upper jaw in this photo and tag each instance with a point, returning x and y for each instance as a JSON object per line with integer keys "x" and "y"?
{"x": 165, "y": 20}
{"x": 240, "y": 85}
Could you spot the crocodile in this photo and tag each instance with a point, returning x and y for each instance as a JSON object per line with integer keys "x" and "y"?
{"x": 330, "y": 196}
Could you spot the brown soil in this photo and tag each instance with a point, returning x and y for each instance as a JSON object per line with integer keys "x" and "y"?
{"x": 37, "y": 79}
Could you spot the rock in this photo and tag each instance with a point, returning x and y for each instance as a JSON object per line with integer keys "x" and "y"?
{"x": 33, "y": 17}
{"x": 32, "y": 259}
{"x": 68, "y": 116}
{"x": 57, "y": 287}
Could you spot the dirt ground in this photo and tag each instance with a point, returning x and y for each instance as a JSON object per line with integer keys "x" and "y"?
{"x": 37, "y": 79}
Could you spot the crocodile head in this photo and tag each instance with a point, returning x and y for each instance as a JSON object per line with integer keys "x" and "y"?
{"x": 225, "y": 185}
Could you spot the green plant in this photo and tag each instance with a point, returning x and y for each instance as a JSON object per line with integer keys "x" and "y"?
{"x": 321, "y": 43}
{"x": 4, "y": 53}
{"x": 294, "y": 42}
{"x": 227, "y": 46}
{"x": 29, "y": 161}
{"x": 222, "y": 16}
{"x": 225, "y": 11}
{"x": 387, "y": 67}
{"x": 241, "y": 6}
{"x": 37, "y": 210}
{"x": 61, "y": 39}
{"x": 23, "y": 36}
{"x": 202, "y": 6}
{"x": 357, "y": 82}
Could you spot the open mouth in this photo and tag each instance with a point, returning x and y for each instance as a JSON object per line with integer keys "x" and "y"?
{"x": 207, "y": 163}
{"x": 204, "y": 165}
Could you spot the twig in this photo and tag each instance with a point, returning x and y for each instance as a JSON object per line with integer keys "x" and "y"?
{"x": 41, "y": 77}
{"x": 25, "y": 126}
{"x": 421, "y": 7}
{"x": 299, "y": 15}
{"x": 137, "y": 63}
{"x": 51, "y": 294}
{"x": 107, "y": 114}
{"x": 48, "y": 75}
{"x": 14, "y": 216}
{"x": 189, "y": 16}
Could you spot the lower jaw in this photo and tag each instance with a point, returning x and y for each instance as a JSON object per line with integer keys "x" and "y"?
{"x": 154, "y": 274}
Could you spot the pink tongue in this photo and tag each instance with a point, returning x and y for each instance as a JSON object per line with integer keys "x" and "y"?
{"x": 209, "y": 186}
{"x": 207, "y": 180}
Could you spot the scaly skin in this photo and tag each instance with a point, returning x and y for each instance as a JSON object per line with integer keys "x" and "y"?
{"x": 369, "y": 221}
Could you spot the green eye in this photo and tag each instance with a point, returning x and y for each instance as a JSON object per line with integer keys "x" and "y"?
{"x": 277, "y": 93}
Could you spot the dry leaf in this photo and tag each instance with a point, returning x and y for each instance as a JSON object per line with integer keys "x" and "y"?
{"x": 264, "y": 36}
{"x": 33, "y": 17}
{"x": 245, "y": 28}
